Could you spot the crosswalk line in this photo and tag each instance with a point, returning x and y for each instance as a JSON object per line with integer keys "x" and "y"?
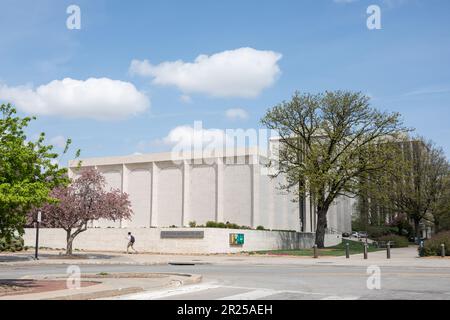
{"x": 169, "y": 293}
{"x": 340, "y": 298}
{"x": 251, "y": 295}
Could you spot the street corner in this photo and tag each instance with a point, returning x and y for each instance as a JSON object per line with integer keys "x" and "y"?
{"x": 90, "y": 286}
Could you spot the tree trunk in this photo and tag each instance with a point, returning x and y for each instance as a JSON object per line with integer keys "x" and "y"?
{"x": 437, "y": 226}
{"x": 69, "y": 243}
{"x": 321, "y": 226}
{"x": 417, "y": 228}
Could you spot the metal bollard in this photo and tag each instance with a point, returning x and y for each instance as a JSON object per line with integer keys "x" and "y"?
{"x": 365, "y": 251}
{"x": 443, "y": 250}
{"x": 316, "y": 253}
{"x": 388, "y": 250}
{"x": 347, "y": 250}
{"x": 421, "y": 249}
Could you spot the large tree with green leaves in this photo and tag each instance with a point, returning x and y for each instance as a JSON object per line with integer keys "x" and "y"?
{"x": 28, "y": 171}
{"x": 417, "y": 185}
{"x": 328, "y": 142}
{"x": 441, "y": 208}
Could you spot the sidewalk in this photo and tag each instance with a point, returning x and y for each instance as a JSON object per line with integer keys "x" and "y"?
{"x": 407, "y": 257}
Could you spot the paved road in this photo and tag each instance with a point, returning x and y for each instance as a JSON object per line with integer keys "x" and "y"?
{"x": 283, "y": 282}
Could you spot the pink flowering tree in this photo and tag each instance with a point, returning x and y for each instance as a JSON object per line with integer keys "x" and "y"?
{"x": 83, "y": 201}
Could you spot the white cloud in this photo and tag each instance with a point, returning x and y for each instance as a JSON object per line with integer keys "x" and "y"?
{"x": 243, "y": 72}
{"x": 430, "y": 90}
{"x": 97, "y": 98}
{"x": 196, "y": 137}
{"x": 236, "y": 113}
{"x": 58, "y": 141}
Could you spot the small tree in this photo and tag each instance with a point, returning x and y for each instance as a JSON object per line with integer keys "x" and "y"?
{"x": 83, "y": 201}
{"x": 328, "y": 142}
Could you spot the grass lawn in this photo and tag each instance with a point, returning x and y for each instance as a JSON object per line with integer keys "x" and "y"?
{"x": 339, "y": 250}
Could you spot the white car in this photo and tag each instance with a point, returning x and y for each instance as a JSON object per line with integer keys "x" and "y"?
{"x": 363, "y": 234}
{"x": 355, "y": 234}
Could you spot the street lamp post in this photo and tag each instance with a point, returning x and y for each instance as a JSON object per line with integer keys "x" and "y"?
{"x": 38, "y": 221}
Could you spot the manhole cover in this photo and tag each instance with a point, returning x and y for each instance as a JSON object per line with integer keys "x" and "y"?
{"x": 182, "y": 263}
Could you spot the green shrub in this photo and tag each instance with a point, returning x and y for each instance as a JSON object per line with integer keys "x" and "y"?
{"x": 260, "y": 228}
{"x": 228, "y": 225}
{"x": 15, "y": 244}
{"x": 399, "y": 242}
{"x": 432, "y": 247}
{"x": 192, "y": 224}
{"x": 212, "y": 224}
{"x": 232, "y": 226}
{"x": 375, "y": 232}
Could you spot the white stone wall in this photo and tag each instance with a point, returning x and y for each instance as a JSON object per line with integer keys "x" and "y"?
{"x": 113, "y": 178}
{"x": 227, "y": 188}
{"x": 332, "y": 240}
{"x": 203, "y": 194}
{"x": 170, "y": 196}
{"x": 238, "y": 195}
{"x": 148, "y": 240}
{"x": 339, "y": 215}
{"x": 139, "y": 189}
{"x": 164, "y": 194}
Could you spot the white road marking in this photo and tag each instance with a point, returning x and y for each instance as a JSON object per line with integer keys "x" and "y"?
{"x": 152, "y": 295}
{"x": 279, "y": 291}
{"x": 252, "y": 295}
{"x": 340, "y": 298}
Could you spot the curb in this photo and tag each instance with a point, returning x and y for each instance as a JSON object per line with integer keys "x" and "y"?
{"x": 75, "y": 262}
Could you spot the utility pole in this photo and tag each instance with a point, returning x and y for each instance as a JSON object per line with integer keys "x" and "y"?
{"x": 38, "y": 221}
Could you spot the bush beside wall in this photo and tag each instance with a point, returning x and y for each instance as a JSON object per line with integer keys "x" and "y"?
{"x": 15, "y": 244}
{"x": 399, "y": 242}
{"x": 432, "y": 247}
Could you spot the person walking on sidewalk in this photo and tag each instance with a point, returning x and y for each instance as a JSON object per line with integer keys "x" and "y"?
{"x": 131, "y": 241}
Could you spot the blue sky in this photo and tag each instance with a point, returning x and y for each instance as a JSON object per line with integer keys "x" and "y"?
{"x": 309, "y": 46}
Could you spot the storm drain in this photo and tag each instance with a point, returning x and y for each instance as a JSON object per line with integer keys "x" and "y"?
{"x": 187, "y": 263}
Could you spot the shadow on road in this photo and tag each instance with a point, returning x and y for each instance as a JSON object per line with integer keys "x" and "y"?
{"x": 55, "y": 256}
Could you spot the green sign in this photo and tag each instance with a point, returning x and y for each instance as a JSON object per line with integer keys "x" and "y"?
{"x": 236, "y": 239}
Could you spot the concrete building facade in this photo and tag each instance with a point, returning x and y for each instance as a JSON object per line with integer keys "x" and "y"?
{"x": 168, "y": 191}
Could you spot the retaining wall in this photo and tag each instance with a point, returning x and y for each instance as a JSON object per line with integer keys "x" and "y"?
{"x": 149, "y": 240}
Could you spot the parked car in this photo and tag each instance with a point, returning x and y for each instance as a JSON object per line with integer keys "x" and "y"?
{"x": 363, "y": 234}
{"x": 345, "y": 235}
{"x": 355, "y": 234}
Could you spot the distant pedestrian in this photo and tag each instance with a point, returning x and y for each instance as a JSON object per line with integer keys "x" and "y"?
{"x": 131, "y": 241}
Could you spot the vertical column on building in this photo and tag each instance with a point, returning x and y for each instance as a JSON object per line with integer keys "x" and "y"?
{"x": 271, "y": 211}
{"x": 94, "y": 223}
{"x": 255, "y": 173}
{"x": 307, "y": 216}
{"x": 186, "y": 215}
{"x": 154, "y": 196}
{"x": 125, "y": 189}
{"x": 220, "y": 168}
{"x": 70, "y": 173}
